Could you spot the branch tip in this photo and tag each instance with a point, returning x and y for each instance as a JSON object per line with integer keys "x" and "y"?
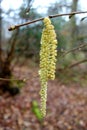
{"x": 12, "y": 28}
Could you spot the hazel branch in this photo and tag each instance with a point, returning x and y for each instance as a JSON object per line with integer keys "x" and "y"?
{"x": 40, "y": 19}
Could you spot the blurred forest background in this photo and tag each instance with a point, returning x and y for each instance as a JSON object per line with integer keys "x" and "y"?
{"x": 19, "y": 49}
{"x": 19, "y": 46}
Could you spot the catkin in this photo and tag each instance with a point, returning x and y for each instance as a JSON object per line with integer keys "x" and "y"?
{"x": 48, "y": 53}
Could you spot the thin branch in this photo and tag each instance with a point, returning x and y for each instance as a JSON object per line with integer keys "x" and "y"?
{"x": 5, "y": 79}
{"x": 75, "y": 49}
{"x": 72, "y": 65}
{"x": 40, "y": 19}
{"x": 77, "y": 63}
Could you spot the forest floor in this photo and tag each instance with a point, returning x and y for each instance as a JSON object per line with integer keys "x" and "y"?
{"x": 66, "y": 105}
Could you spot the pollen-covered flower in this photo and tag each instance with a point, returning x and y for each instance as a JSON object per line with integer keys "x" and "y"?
{"x": 48, "y": 55}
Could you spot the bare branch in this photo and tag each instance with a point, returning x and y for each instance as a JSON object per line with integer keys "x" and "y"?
{"x": 77, "y": 63}
{"x": 72, "y": 65}
{"x": 75, "y": 49}
{"x": 5, "y": 79}
{"x": 40, "y": 19}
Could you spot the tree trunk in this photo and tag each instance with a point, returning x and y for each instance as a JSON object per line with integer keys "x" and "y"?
{"x": 1, "y": 62}
{"x": 73, "y": 27}
{"x": 5, "y": 70}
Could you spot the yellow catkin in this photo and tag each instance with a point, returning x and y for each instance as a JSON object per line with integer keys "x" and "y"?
{"x": 48, "y": 55}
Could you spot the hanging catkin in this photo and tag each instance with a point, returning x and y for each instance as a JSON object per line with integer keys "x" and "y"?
{"x": 48, "y": 53}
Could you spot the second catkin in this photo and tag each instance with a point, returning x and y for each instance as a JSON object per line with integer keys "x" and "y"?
{"x": 48, "y": 53}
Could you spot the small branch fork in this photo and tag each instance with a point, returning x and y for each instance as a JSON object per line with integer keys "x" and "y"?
{"x": 40, "y": 19}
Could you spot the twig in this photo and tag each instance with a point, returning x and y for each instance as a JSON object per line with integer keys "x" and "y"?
{"x": 74, "y": 49}
{"x": 77, "y": 63}
{"x": 72, "y": 65}
{"x": 4, "y": 79}
{"x": 40, "y": 19}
